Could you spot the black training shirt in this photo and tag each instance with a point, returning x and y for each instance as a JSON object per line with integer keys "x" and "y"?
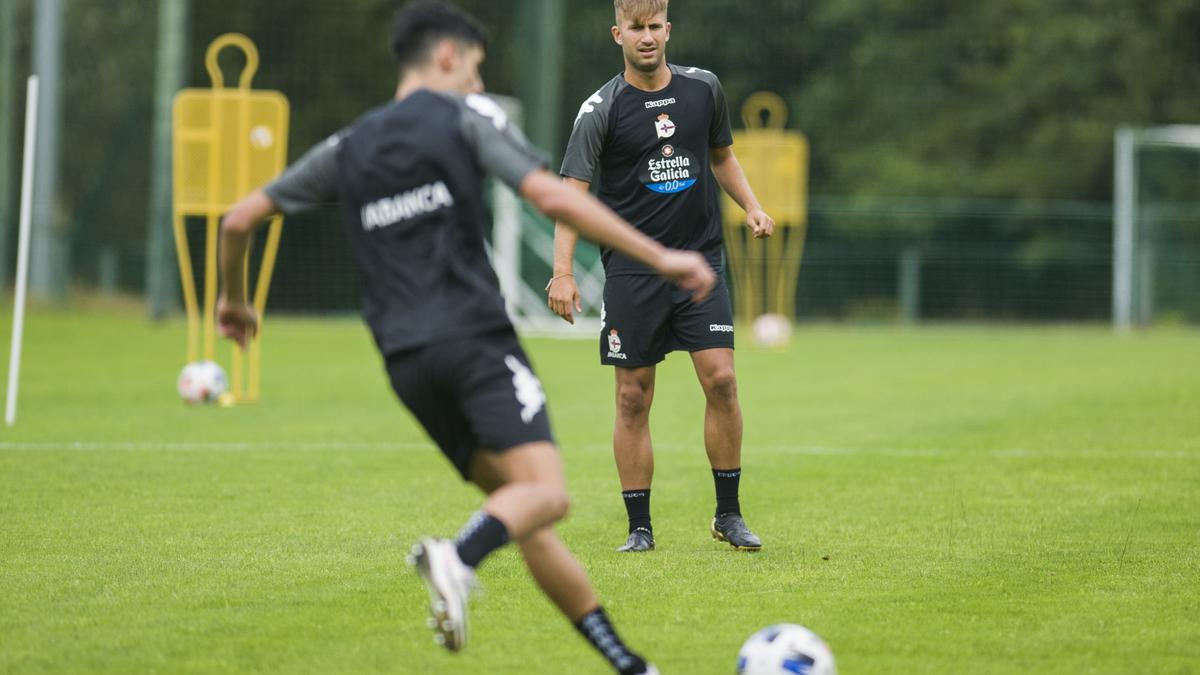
{"x": 409, "y": 176}
{"x": 647, "y": 152}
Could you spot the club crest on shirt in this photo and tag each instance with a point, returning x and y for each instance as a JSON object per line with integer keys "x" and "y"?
{"x": 664, "y": 127}
{"x": 614, "y": 345}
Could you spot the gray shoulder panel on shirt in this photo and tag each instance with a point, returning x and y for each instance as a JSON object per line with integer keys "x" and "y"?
{"x": 720, "y": 134}
{"x": 499, "y": 146}
{"x": 591, "y": 126}
{"x": 706, "y": 76}
{"x": 310, "y": 181}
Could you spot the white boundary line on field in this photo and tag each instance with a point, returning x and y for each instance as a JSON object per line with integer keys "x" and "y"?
{"x": 230, "y": 446}
{"x": 365, "y": 446}
{"x": 995, "y": 453}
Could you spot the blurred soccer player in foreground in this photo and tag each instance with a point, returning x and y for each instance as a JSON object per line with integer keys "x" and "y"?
{"x": 654, "y": 138}
{"x": 409, "y": 177}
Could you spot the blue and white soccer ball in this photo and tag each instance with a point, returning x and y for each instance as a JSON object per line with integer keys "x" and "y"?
{"x": 201, "y": 382}
{"x": 785, "y": 649}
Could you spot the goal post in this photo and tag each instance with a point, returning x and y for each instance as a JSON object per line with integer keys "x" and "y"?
{"x": 1133, "y": 269}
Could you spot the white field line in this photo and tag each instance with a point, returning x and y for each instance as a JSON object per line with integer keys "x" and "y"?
{"x": 203, "y": 446}
{"x": 353, "y": 446}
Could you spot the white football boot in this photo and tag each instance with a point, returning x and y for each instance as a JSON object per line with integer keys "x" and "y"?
{"x": 450, "y": 584}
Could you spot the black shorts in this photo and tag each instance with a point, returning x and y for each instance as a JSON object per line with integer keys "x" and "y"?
{"x": 646, "y": 317}
{"x": 472, "y": 393}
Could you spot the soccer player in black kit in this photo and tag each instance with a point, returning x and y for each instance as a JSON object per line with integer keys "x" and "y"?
{"x": 409, "y": 177}
{"x": 653, "y": 139}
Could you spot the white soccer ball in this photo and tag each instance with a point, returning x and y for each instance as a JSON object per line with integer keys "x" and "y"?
{"x": 772, "y": 330}
{"x": 201, "y": 382}
{"x": 785, "y": 649}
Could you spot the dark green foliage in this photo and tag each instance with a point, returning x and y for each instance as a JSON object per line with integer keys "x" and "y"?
{"x": 1014, "y": 101}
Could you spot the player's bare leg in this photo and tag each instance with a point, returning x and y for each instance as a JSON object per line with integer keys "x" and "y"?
{"x": 558, "y": 573}
{"x": 525, "y": 486}
{"x": 723, "y": 443}
{"x": 526, "y": 495}
{"x": 553, "y": 567}
{"x": 722, "y": 412}
{"x": 564, "y": 581}
{"x": 634, "y": 452}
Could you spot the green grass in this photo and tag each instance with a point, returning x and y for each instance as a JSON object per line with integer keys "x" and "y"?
{"x": 933, "y": 500}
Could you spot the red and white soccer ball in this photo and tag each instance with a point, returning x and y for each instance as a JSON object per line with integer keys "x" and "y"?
{"x": 785, "y": 649}
{"x": 772, "y": 330}
{"x": 202, "y": 382}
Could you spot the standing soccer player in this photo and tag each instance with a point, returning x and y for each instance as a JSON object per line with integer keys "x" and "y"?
{"x": 409, "y": 176}
{"x": 654, "y": 138}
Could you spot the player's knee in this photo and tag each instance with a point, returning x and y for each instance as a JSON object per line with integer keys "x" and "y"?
{"x": 633, "y": 401}
{"x": 721, "y": 386}
{"x": 558, "y": 503}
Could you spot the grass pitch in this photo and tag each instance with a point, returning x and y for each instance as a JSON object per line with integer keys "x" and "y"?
{"x": 933, "y": 500}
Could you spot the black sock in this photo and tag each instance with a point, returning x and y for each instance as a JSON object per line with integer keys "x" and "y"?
{"x": 599, "y": 632}
{"x": 727, "y": 490}
{"x": 480, "y": 536}
{"x": 637, "y": 507}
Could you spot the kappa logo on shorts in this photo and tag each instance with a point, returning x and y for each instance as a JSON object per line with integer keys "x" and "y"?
{"x": 614, "y": 345}
{"x": 528, "y": 388}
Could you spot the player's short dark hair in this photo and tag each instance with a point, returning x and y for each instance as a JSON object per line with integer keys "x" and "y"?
{"x": 421, "y": 24}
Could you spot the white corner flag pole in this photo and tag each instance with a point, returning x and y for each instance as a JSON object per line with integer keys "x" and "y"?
{"x": 18, "y": 326}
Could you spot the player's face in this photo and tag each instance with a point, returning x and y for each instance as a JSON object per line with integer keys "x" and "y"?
{"x": 467, "y": 79}
{"x": 643, "y": 40}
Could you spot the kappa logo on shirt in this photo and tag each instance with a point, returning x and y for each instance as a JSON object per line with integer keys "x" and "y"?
{"x": 489, "y": 109}
{"x": 588, "y": 106}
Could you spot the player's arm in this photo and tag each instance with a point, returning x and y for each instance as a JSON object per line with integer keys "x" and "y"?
{"x": 725, "y": 166}
{"x": 235, "y": 318}
{"x": 732, "y": 179}
{"x": 586, "y": 215}
{"x": 562, "y": 293}
{"x": 311, "y": 181}
{"x": 500, "y": 150}
{"x": 580, "y": 159}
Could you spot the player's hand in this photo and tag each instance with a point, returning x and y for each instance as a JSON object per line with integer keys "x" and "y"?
{"x": 236, "y": 321}
{"x": 761, "y": 225}
{"x": 690, "y": 270}
{"x": 563, "y": 296}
